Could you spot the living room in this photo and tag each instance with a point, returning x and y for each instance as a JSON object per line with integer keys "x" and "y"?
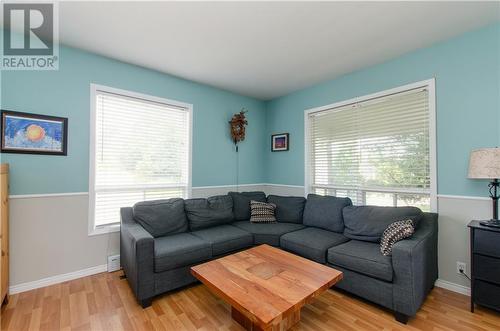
{"x": 250, "y": 165}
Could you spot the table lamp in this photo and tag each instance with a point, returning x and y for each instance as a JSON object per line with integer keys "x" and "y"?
{"x": 485, "y": 164}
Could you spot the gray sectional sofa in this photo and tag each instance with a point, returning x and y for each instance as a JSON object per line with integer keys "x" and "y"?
{"x": 161, "y": 240}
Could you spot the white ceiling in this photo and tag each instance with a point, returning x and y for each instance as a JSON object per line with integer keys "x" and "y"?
{"x": 264, "y": 49}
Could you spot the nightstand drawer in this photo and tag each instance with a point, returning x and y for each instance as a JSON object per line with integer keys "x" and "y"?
{"x": 487, "y": 294}
{"x": 487, "y": 268}
{"x": 486, "y": 242}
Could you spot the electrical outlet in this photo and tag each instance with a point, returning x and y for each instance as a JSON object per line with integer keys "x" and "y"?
{"x": 461, "y": 267}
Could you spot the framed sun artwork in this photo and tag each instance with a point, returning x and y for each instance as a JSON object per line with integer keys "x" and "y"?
{"x": 279, "y": 142}
{"x": 34, "y": 134}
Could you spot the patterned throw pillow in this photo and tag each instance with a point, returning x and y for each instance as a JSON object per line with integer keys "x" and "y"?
{"x": 262, "y": 212}
{"x": 395, "y": 232}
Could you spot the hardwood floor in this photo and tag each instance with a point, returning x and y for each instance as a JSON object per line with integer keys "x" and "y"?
{"x": 105, "y": 302}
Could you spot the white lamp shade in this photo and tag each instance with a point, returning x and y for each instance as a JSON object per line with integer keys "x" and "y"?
{"x": 485, "y": 163}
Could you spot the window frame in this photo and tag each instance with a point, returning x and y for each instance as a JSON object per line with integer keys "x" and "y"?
{"x": 94, "y": 89}
{"x": 430, "y": 85}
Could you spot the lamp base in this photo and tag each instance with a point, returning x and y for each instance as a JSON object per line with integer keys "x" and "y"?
{"x": 491, "y": 223}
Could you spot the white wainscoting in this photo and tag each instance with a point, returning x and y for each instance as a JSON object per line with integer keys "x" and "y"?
{"x": 455, "y": 212}
{"x": 50, "y": 244}
{"x": 49, "y": 239}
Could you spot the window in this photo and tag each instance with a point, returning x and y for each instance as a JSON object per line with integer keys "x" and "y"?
{"x": 376, "y": 150}
{"x": 140, "y": 150}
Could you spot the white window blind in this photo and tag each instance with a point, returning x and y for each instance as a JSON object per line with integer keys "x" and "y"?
{"x": 141, "y": 152}
{"x": 376, "y": 151}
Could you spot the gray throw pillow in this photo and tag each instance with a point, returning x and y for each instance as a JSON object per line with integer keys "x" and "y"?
{"x": 325, "y": 212}
{"x": 288, "y": 209}
{"x": 368, "y": 223}
{"x": 241, "y": 203}
{"x": 161, "y": 217}
{"x": 395, "y": 232}
{"x": 205, "y": 213}
{"x": 262, "y": 212}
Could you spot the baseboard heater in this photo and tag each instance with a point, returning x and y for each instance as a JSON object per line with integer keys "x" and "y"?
{"x": 113, "y": 263}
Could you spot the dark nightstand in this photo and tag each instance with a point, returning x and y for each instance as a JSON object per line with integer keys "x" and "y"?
{"x": 485, "y": 266}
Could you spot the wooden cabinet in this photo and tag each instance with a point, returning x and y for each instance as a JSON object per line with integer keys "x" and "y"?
{"x": 485, "y": 266}
{"x": 4, "y": 232}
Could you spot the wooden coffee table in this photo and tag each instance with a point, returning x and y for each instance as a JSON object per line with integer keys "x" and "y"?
{"x": 265, "y": 286}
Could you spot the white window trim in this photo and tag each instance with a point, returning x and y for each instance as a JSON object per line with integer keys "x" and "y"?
{"x": 430, "y": 84}
{"x": 94, "y": 88}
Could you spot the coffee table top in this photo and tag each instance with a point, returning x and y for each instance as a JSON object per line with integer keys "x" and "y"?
{"x": 264, "y": 282}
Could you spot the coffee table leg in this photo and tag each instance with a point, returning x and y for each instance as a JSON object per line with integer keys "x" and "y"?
{"x": 285, "y": 324}
{"x": 242, "y": 319}
{"x": 289, "y": 321}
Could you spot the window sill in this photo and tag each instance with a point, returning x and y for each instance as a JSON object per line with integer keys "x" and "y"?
{"x": 104, "y": 230}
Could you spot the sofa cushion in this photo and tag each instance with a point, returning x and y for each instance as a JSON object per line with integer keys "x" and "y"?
{"x": 241, "y": 203}
{"x": 288, "y": 209}
{"x": 180, "y": 250}
{"x": 204, "y": 213}
{"x": 161, "y": 217}
{"x": 311, "y": 243}
{"x": 262, "y": 212}
{"x": 367, "y": 223}
{"x": 268, "y": 233}
{"x": 325, "y": 212}
{"x": 362, "y": 257}
{"x": 225, "y": 238}
{"x": 395, "y": 232}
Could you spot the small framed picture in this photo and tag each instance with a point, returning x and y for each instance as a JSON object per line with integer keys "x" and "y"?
{"x": 26, "y": 133}
{"x": 279, "y": 142}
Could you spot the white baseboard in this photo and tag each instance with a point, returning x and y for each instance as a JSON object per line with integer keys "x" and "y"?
{"x": 453, "y": 287}
{"x": 57, "y": 279}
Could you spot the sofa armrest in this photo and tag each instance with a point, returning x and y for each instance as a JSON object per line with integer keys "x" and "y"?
{"x": 414, "y": 261}
{"x": 137, "y": 255}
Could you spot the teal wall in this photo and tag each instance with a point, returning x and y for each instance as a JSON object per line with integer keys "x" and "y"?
{"x": 467, "y": 73}
{"x": 466, "y": 68}
{"x": 66, "y": 93}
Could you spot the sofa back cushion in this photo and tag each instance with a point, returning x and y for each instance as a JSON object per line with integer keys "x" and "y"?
{"x": 325, "y": 212}
{"x": 288, "y": 209}
{"x": 205, "y": 213}
{"x": 241, "y": 203}
{"x": 161, "y": 217}
{"x": 368, "y": 223}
